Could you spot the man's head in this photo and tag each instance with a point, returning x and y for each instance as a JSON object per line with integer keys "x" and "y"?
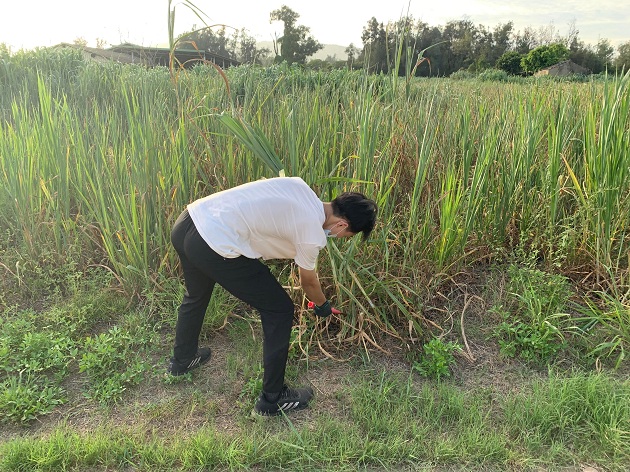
{"x": 359, "y": 211}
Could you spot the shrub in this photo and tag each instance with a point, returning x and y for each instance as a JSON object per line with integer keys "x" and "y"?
{"x": 437, "y": 359}
{"x": 510, "y": 62}
{"x": 494, "y": 75}
{"x": 462, "y": 75}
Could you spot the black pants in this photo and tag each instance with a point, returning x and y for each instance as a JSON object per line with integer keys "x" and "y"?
{"x": 247, "y": 279}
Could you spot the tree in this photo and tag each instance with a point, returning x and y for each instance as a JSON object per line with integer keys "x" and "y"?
{"x": 622, "y": 61}
{"x": 572, "y": 35}
{"x": 482, "y": 50}
{"x": 461, "y": 36}
{"x": 80, "y": 41}
{"x": 296, "y": 44}
{"x": 604, "y": 51}
{"x": 585, "y": 56}
{"x": 544, "y": 56}
{"x": 431, "y": 37}
{"x": 352, "y": 53}
{"x": 206, "y": 39}
{"x": 501, "y": 40}
{"x": 525, "y": 41}
{"x": 239, "y": 46}
{"x": 248, "y": 52}
{"x": 488, "y": 46}
{"x": 375, "y": 46}
{"x": 548, "y": 35}
{"x": 510, "y": 62}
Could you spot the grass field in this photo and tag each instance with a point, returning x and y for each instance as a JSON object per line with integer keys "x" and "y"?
{"x": 485, "y": 323}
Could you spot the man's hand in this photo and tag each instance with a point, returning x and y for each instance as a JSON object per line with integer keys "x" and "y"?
{"x": 311, "y": 286}
{"x": 323, "y": 310}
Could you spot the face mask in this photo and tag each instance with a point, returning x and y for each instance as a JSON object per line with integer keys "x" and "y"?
{"x": 330, "y": 234}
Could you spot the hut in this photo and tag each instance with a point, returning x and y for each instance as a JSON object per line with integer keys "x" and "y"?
{"x": 186, "y": 57}
{"x": 151, "y": 56}
{"x": 563, "y": 69}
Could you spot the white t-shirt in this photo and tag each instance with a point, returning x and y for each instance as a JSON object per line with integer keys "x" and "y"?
{"x": 279, "y": 218}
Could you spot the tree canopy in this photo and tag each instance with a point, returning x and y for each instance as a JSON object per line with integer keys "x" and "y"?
{"x": 427, "y": 50}
{"x": 296, "y": 42}
{"x": 238, "y": 46}
{"x": 544, "y": 56}
{"x": 510, "y": 62}
{"x": 623, "y": 59}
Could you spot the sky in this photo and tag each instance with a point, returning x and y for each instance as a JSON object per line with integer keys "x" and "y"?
{"x": 38, "y": 23}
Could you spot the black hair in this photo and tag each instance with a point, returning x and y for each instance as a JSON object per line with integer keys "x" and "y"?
{"x": 359, "y": 211}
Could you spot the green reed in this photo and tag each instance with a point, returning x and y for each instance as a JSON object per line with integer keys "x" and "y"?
{"x": 604, "y": 189}
{"x": 460, "y": 170}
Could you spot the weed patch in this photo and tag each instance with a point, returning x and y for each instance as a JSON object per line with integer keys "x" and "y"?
{"x": 607, "y": 321}
{"x": 437, "y": 359}
{"x": 534, "y": 323}
{"x": 34, "y": 361}
{"x": 39, "y": 351}
{"x": 114, "y": 361}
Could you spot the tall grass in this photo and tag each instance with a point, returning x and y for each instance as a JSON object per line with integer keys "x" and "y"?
{"x": 460, "y": 170}
{"x": 604, "y": 186}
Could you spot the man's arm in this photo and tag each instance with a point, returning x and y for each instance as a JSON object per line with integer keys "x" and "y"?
{"x": 311, "y": 286}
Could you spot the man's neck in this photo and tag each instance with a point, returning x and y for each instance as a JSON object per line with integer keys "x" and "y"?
{"x": 329, "y": 217}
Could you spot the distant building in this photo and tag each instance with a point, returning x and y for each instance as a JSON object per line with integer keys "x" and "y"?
{"x": 563, "y": 69}
{"x": 102, "y": 55}
{"x": 150, "y": 57}
{"x": 161, "y": 56}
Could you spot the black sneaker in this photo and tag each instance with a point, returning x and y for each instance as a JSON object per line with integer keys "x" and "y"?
{"x": 180, "y": 368}
{"x": 289, "y": 399}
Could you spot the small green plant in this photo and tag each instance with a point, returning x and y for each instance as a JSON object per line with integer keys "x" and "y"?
{"x": 534, "y": 342}
{"x": 34, "y": 361}
{"x": 533, "y": 319}
{"x": 437, "y": 359}
{"x": 609, "y": 322}
{"x": 169, "y": 379}
{"x": 253, "y": 384}
{"x": 113, "y": 362}
{"x": 25, "y": 397}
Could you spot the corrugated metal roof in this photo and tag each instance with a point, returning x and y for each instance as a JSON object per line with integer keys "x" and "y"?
{"x": 187, "y": 57}
{"x": 133, "y": 54}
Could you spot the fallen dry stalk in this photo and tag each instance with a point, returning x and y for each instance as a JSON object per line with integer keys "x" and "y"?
{"x": 468, "y": 353}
